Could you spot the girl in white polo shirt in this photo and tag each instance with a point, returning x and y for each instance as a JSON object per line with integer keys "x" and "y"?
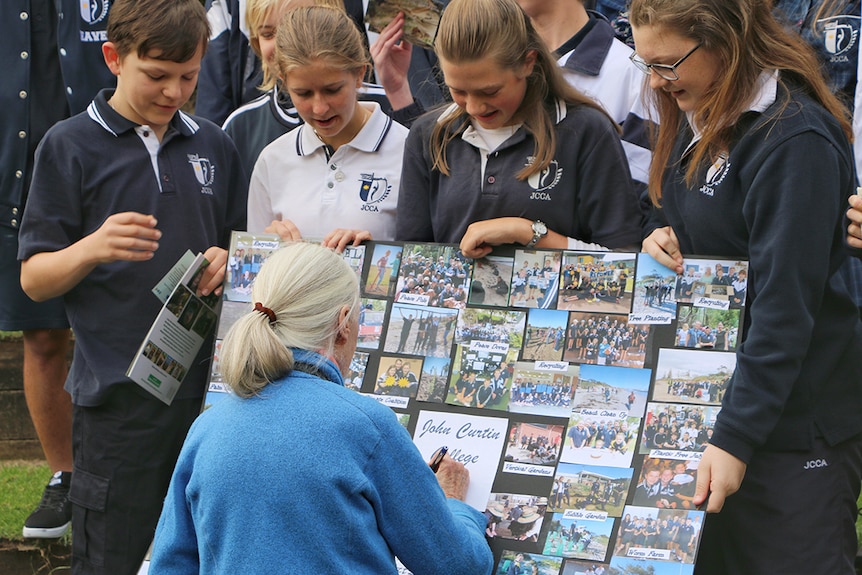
{"x": 336, "y": 177}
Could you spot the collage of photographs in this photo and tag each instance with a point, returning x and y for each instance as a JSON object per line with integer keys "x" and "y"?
{"x": 578, "y": 388}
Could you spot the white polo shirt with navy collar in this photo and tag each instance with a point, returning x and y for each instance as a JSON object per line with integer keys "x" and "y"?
{"x": 299, "y": 178}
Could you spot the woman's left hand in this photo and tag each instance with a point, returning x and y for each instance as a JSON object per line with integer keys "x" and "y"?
{"x": 481, "y": 237}
{"x": 340, "y": 238}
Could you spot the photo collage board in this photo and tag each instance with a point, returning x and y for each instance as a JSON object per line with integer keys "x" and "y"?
{"x": 579, "y": 388}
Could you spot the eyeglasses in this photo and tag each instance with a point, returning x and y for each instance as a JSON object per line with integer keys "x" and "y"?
{"x": 663, "y": 70}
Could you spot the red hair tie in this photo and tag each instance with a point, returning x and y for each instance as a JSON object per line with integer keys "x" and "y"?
{"x": 265, "y": 311}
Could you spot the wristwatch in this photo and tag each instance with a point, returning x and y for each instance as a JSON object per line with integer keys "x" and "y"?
{"x": 540, "y": 230}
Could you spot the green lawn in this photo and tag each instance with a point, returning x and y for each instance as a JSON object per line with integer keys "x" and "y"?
{"x": 21, "y": 485}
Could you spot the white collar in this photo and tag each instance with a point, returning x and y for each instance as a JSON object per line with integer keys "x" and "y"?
{"x": 369, "y": 138}
{"x": 764, "y": 96}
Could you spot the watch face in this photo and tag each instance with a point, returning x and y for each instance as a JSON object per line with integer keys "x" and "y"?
{"x": 540, "y": 228}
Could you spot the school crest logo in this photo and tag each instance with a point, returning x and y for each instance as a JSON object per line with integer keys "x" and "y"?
{"x": 839, "y": 37}
{"x": 715, "y": 174}
{"x": 545, "y": 180}
{"x": 204, "y": 172}
{"x": 373, "y": 190}
{"x": 94, "y": 11}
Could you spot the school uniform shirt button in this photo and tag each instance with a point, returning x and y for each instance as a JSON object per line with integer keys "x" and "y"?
{"x": 333, "y": 167}
{"x": 166, "y": 178}
{"x": 24, "y": 15}
{"x": 14, "y": 223}
{"x": 491, "y": 179}
{"x": 22, "y": 134}
{"x": 330, "y": 185}
{"x": 22, "y": 94}
{"x": 339, "y": 176}
{"x": 25, "y": 55}
{"x": 19, "y": 174}
{"x": 62, "y": 51}
{"x": 14, "y": 211}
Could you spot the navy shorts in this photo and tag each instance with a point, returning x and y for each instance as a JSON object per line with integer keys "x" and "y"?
{"x": 795, "y": 514}
{"x": 17, "y": 311}
{"x": 124, "y": 454}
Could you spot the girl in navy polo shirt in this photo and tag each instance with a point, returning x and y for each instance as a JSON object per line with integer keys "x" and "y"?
{"x": 753, "y": 161}
{"x": 520, "y": 157}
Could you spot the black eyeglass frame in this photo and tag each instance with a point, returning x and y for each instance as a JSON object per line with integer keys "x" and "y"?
{"x": 667, "y": 72}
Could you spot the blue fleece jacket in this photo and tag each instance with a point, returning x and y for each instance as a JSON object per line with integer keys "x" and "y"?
{"x": 310, "y": 477}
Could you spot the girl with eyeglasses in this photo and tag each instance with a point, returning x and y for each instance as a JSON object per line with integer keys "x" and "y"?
{"x": 753, "y": 160}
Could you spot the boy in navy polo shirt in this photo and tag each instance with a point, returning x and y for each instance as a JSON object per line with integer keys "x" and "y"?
{"x": 119, "y": 193}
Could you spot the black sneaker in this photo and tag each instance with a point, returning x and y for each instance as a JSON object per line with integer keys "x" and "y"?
{"x": 53, "y": 516}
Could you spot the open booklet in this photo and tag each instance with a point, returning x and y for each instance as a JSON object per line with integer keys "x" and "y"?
{"x": 179, "y": 331}
{"x": 579, "y": 388}
{"x": 421, "y": 18}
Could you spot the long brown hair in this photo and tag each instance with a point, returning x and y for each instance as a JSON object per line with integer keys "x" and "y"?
{"x": 748, "y": 40}
{"x": 471, "y": 30}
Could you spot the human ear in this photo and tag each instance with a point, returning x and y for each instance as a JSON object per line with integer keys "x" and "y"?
{"x": 112, "y": 57}
{"x": 343, "y": 331}
{"x": 529, "y": 62}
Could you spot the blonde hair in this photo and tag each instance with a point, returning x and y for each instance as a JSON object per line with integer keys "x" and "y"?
{"x": 313, "y": 33}
{"x": 306, "y": 286}
{"x": 748, "y": 40}
{"x": 472, "y": 30}
{"x": 256, "y": 13}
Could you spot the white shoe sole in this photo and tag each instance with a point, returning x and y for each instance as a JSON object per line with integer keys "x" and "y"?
{"x": 46, "y": 532}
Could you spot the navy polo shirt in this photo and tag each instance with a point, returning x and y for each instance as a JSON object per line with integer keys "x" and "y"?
{"x": 585, "y": 193}
{"x": 96, "y": 164}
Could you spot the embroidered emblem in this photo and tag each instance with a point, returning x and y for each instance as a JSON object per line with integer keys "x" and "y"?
{"x": 715, "y": 174}
{"x": 94, "y": 11}
{"x": 372, "y": 191}
{"x": 204, "y": 172}
{"x": 838, "y": 37}
{"x": 544, "y": 180}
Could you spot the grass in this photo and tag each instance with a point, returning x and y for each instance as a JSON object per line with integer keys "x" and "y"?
{"x": 21, "y": 485}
